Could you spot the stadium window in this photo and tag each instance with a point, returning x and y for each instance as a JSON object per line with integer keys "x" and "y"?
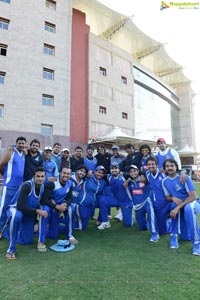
{"x": 49, "y": 49}
{"x": 3, "y": 49}
{"x": 4, "y": 23}
{"x": 6, "y": 1}
{"x": 123, "y": 80}
{"x": 51, "y": 4}
{"x": 50, "y": 27}
{"x": 48, "y": 74}
{"x": 47, "y": 100}
{"x": 1, "y": 110}
{"x": 47, "y": 130}
{"x": 124, "y": 115}
{"x": 102, "y": 110}
{"x": 102, "y": 71}
{"x": 2, "y": 77}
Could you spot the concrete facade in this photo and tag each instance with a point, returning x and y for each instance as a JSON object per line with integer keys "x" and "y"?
{"x": 21, "y": 93}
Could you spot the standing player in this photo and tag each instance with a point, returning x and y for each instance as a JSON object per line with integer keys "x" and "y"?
{"x": 90, "y": 161}
{"x": 182, "y": 196}
{"x": 12, "y": 168}
{"x": 33, "y": 159}
{"x": 166, "y": 152}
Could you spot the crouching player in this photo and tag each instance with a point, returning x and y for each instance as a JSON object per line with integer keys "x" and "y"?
{"x": 182, "y": 196}
{"x": 142, "y": 204}
{"x": 28, "y": 202}
{"x": 115, "y": 196}
{"x": 61, "y": 196}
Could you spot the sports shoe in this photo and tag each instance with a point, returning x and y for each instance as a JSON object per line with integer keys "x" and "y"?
{"x": 119, "y": 216}
{"x": 104, "y": 225}
{"x": 116, "y": 213}
{"x": 154, "y": 238}
{"x": 10, "y": 255}
{"x": 73, "y": 240}
{"x": 196, "y": 249}
{"x": 174, "y": 241}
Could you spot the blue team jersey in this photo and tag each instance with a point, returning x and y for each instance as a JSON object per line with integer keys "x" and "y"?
{"x": 60, "y": 192}
{"x": 91, "y": 188}
{"x": 139, "y": 191}
{"x": 157, "y": 189}
{"x": 77, "y": 187}
{"x": 32, "y": 200}
{"x": 51, "y": 169}
{"x": 14, "y": 169}
{"x": 90, "y": 163}
{"x": 161, "y": 158}
{"x": 176, "y": 188}
{"x": 117, "y": 189}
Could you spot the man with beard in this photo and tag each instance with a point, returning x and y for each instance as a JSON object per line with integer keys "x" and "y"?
{"x": 182, "y": 196}
{"x": 33, "y": 159}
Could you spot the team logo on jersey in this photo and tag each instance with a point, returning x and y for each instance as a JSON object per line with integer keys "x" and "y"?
{"x": 178, "y": 187}
{"x": 137, "y": 192}
{"x": 141, "y": 184}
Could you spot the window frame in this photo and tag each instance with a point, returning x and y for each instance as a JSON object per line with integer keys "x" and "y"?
{"x": 124, "y": 115}
{"x": 102, "y": 110}
{"x": 4, "y": 23}
{"x": 47, "y": 72}
{"x": 47, "y": 100}
{"x": 102, "y": 71}
{"x": 51, "y": 26}
{"x": 3, "y": 47}
{"x": 2, "y": 77}
{"x": 50, "y": 49}
{"x": 1, "y": 110}
{"x": 51, "y": 4}
{"x": 46, "y": 127}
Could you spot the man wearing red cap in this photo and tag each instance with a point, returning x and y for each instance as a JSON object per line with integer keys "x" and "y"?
{"x": 166, "y": 152}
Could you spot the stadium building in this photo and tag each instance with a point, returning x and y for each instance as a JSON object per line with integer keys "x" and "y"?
{"x": 76, "y": 72}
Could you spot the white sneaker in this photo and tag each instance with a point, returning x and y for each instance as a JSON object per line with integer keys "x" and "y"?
{"x": 119, "y": 216}
{"x": 117, "y": 213}
{"x": 104, "y": 225}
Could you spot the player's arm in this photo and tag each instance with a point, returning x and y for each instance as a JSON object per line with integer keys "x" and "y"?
{"x": 191, "y": 197}
{"x": 5, "y": 159}
{"x": 25, "y": 189}
{"x": 68, "y": 197}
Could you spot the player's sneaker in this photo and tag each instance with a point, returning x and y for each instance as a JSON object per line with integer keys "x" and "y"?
{"x": 196, "y": 249}
{"x": 73, "y": 240}
{"x": 116, "y": 213}
{"x": 104, "y": 225}
{"x": 119, "y": 216}
{"x": 154, "y": 238}
{"x": 174, "y": 241}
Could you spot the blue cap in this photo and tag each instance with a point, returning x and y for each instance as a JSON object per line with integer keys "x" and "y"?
{"x": 101, "y": 168}
{"x": 114, "y": 164}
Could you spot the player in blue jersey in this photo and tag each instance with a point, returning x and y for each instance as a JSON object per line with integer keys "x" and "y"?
{"x": 12, "y": 169}
{"x": 50, "y": 166}
{"x": 166, "y": 152}
{"x": 161, "y": 205}
{"x": 145, "y": 150}
{"x": 61, "y": 194}
{"x": 115, "y": 195}
{"x": 77, "y": 179}
{"x": 182, "y": 196}
{"x": 90, "y": 161}
{"x": 29, "y": 201}
{"x": 142, "y": 204}
{"x": 88, "y": 197}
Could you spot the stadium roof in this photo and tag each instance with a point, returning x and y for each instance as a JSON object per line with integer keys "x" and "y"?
{"x": 122, "y": 32}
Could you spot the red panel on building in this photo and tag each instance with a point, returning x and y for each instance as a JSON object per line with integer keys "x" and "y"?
{"x": 79, "y": 79}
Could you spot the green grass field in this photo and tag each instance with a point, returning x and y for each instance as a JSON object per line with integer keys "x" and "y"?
{"x": 114, "y": 264}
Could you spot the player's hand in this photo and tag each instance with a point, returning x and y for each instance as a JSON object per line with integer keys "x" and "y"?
{"x": 52, "y": 179}
{"x": 61, "y": 207}
{"x": 176, "y": 200}
{"x": 174, "y": 212}
{"x": 42, "y": 213}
